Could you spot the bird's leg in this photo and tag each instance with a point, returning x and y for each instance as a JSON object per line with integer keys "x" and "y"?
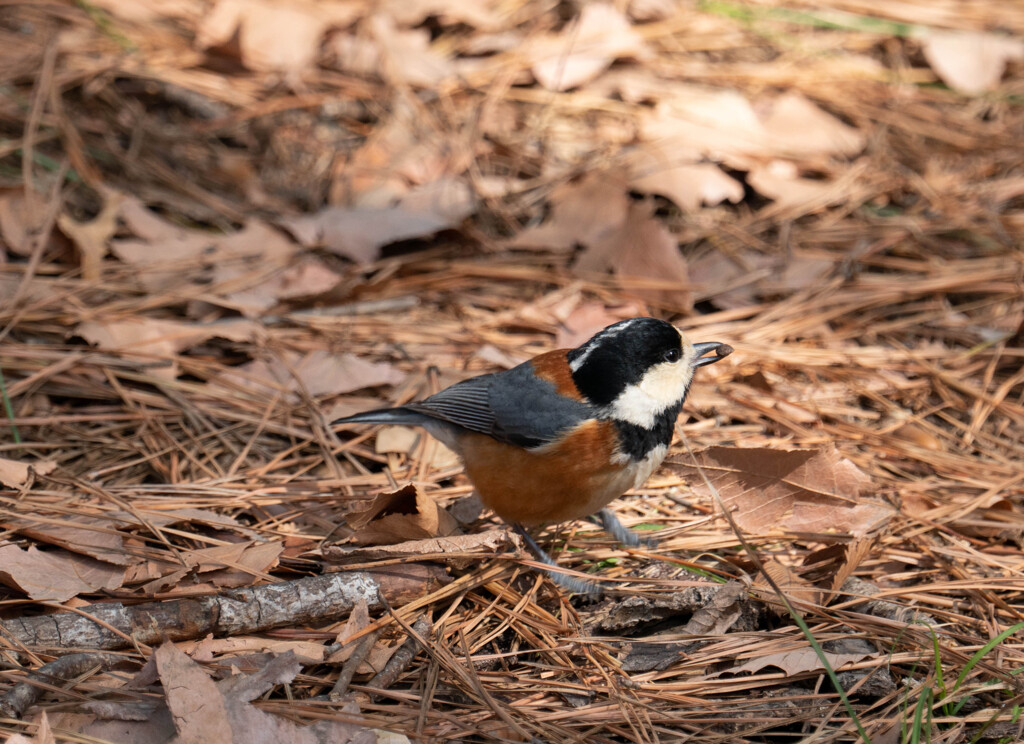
{"x": 569, "y": 583}
{"x": 625, "y": 536}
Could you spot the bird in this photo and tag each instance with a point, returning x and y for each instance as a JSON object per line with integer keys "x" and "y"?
{"x": 560, "y": 436}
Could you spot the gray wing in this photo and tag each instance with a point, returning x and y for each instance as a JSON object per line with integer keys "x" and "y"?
{"x": 515, "y": 406}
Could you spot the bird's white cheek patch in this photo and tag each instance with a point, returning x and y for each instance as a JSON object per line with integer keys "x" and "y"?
{"x": 662, "y": 387}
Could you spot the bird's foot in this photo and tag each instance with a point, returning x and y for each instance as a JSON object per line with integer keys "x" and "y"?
{"x": 571, "y": 584}
{"x": 625, "y": 536}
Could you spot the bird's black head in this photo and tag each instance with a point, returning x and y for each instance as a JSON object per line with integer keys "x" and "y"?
{"x": 638, "y": 368}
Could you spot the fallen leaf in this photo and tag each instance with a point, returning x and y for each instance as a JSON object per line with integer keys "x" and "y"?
{"x": 306, "y": 277}
{"x": 234, "y": 565}
{"x": 970, "y": 62}
{"x": 55, "y": 575}
{"x": 794, "y": 490}
{"x": 731, "y": 281}
{"x": 92, "y": 536}
{"x": 448, "y": 198}
{"x": 400, "y": 56}
{"x": 794, "y": 587}
{"x": 779, "y": 180}
{"x": 723, "y": 126}
{"x": 798, "y": 661}
{"x": 272, "y": 34}
{"x": 796, "y": 127}
{"x": 396, "y": 439}
{"x": 308, "y": 652}
{"x": 165, "y": 255}
{"x": 160, "y": 339}
{"x": 582, "y": 212}
{"x": 208, "y": 711}
{"x": 688, "y": 184}
{"x": 377, "y": 657}
{"x": 589, "y": 318}
{"x": 149, "y": 11}
{"x": 406, "y": 151}
{"x": 359, "y": 233}
{"x": 854, "y": 554}
{"x": 405, "y": 514}
{"x": 459, "y": 551}
{"x": 480, "y": 14}
{"x": 44, "y": 734}
{"x": 91, "y": 238}
{"x": 319, "y": 372}
{"x": 585, "y": 48}
{"x": 15, "y": 474}
{"x": 358, "y": 619}
{"x": 642, "y": 248}
{"x": 719, "y": 614}
{"x": 15, "y": 227}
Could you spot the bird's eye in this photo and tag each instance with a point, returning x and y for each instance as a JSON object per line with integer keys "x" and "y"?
{"x": 673, "y": 355}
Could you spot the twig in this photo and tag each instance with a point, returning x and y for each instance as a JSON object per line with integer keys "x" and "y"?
{"x": 17, "y": 700}
{"x": 401, "y": 659}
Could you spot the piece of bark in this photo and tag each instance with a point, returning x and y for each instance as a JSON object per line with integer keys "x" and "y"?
{"x": 17, "y": 700}
{"x": 307, "y": 601}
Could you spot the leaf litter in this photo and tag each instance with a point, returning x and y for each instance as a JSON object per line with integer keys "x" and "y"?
{"x": 273, "y": 214}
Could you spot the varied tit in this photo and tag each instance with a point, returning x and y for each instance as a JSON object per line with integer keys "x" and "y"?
{"x": 561, "y": 436}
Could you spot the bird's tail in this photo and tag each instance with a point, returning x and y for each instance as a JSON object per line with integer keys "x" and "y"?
{"x": 400, "y": 416}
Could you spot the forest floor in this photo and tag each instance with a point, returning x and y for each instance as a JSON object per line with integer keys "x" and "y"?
{"x": 224, "y": 224}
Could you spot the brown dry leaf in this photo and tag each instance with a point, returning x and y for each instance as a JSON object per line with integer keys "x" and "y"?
{"x": 306, "y": 277}
{"x": 589, "y": 318}
{"x": 642, "y": 247}
{"x": 794, "y": 490}
{"x": 721, "y": 613}
{"x": 404, "y": 440}
{"x": 55, "y": 575}
{"x": 405, "y": 514}
{"x": 319, "y": 372}
{"x": 148, "y": 11}
{"x": 970, "y": 62}
{"x": 407, "y": 151}
{"x": 459, "y": 550}
{"x": 273, "y": 35}
{"x": 44, "y": 734}
{"x": 358, "y": 619}
{"x": 585, "y": 48}
{"x": 205, "y": 711}
{"x": 238, "y": 564}
{"x": 396, "y": 439}
{"x": 161, "y": 339}
{"x": 480, "y": 14}
{"x": 359, "y": 233}
{"x": 378, "y": 655}
{"x": 796, "y": 127}
{"x": 165, "y": 255}
{"x": 795, "y": 588}
{"x": 724, "y": 126}
{"x": 731, "y": 281}
{"x": 854, "y": 554}
{"x": 798, "y": 661}
{"x": 780, "y": 181}
{"x": 91, "y": 536}
{"x": 400, "y": 56}
{"x": 690, "y": 184}
{"x": 92, "y": 238}
{"x": 308, "y": 652}
{"x": 582, "y": 212}
{"x": 15, "y": 228}
{"x": 15, "y": 474}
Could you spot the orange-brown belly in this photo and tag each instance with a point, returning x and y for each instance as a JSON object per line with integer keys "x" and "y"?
{"x": 567, "y": 481}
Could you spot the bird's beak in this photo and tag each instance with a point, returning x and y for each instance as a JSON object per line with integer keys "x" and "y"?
{"x": 721, "y": 352}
